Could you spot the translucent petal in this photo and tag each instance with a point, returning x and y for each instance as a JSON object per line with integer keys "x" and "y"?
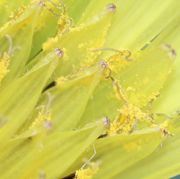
{"x": 143, "y": 79}
{"x": 71, "y": 96}
{"x": 162, "y": 163}
{"x": 15, "y": 105}
{"x": 135, "y": 22}
{"x": 41, "y": 154}
{"x": 6, "y": 8}
{"x": 16, "y": 40}
{"x": 168, "y": 103}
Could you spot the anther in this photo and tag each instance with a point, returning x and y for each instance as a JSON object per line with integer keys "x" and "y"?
{"x": 111, "y": 7}
{"x": 48, "y": 124}
{"x": 41, "y": 3}
{"x": 126, "y": 53}
{"x": 103, "y": 64}
{"x": 171, "y": 51}
{"x": 106, "y": 122}
{"x": 59, "y": 52}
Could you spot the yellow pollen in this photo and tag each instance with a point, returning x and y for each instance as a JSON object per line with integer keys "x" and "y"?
{"x": 126, "y": 121}
{"x": 4, "y": 63}
{"x": 164, "y": 128}
{"x": 50, "y": 43}
{"x": 117, "y": 62}
{"x": 87, "y": 173}
{"x": 64, "y": 23}
{"x": 61, "y": 80}
{"x": 18, "y": 12}
{"x": 40, "y": 120}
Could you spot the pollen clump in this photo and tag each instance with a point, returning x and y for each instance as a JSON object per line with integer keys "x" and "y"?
{"x": 61, "y": 80}
{"x": 42, "y": 120}
{"x": 117, "y": 62}
{"x": 4, "y": 63}
{"x": 50, "y": 43}
{"x": 19, "y": 12}
{"x": 88, "y": 172}
{"x": 127, "y": 120}
{"x": 64, "y": 23}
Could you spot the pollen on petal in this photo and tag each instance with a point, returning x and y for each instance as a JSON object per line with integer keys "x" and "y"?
{"x": 64, "y": 23}
{"x": 127, "y": 120}
{"x": 14, "y": 15}
{"x": 4, "y": 64}
{"x": 61, "y": 80}
{"x": 50, "y": 43}
{"x": 43, "y": 120}
{"x": 87, "y": 173}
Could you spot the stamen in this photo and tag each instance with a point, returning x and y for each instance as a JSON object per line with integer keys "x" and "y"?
{"x": 116, "y": 85}
{"x": 88, "y": 172}
{"x": 41, "y": 3}
{"x": 59, "y": 52}
{"x": 106, "y": 122}
{"x": 103, "y": 64}
{"x": 50, "y": 99}
{"x": 44, "y": 116}
{"x": 88, "y": 169}
{"x": 171, "y": 51}
{"x": 124, "y": 53}
{"x": 9, "y": 39}
{"x": 89, "y": 160}
{"x": 48, "y": 124}
{"x": 111, "y": 7}
{"x": 119, "y": 91}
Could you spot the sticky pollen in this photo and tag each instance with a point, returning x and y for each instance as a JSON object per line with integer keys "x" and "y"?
{"x": 124, "y": 54}
{"x": 61, "y": 81}
{"x": 51, "y": 42}
{"x": 164, "y": 129}
{"x": 127, "y": 120}
{"x": 88, "y": 172}
{"x": 43, "y": 120}
{"x": 64, "y": 23}
{"x": 105, "y": 68}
